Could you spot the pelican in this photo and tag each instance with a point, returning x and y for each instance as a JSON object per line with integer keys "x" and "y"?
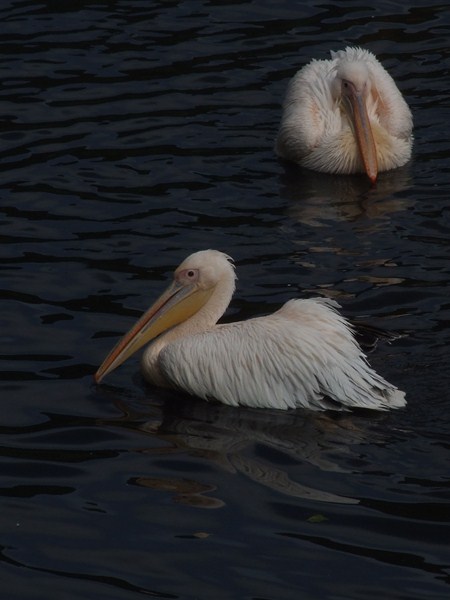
{"x": 303, "y": 355}
{"x": 345, "y": 115}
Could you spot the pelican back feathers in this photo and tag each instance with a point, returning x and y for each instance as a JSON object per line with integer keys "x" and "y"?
{"x": 303, "y": 355}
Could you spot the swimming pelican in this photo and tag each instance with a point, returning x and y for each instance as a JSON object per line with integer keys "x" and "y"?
{"x": 345, "y": 115}
{"x": 303, "y": 355}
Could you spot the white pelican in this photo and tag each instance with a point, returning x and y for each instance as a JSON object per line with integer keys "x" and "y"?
{"x": 345, "y": 115}
{"x": 303, "y": 355}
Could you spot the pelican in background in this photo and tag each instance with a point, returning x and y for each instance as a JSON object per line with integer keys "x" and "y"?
{"x": 303, "y": 355}
{"x": 345, "y": 115}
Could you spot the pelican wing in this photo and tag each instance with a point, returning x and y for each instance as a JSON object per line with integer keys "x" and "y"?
{"x": 308, "y": 111}
{"x": 304, "y": 355}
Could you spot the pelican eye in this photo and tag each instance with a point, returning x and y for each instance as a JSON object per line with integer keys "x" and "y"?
{"x": 188, "y": 275}
{"x": 346, "y": 85}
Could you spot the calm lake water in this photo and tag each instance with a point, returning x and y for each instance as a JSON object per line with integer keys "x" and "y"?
{"x": 132, "y": 134}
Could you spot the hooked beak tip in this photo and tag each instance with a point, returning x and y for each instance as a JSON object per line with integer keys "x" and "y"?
{"x": 373, "y": 178}
{"x": 97, "y": 378}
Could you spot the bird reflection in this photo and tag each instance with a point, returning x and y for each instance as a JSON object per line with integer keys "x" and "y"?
{"x": 261, "y": 445}
{"x": 315, "y": 198}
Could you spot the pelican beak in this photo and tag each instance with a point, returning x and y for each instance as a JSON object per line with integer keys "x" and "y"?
{"x": 175, "y": 305}
{"x": 363, "y": 131}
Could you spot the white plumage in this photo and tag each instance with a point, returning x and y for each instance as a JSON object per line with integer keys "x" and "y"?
{"x": 345, "y": 115}
{"x": 303, "y": 355}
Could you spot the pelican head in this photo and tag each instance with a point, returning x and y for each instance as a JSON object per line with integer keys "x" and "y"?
{"x": 202, "y": 284}
{"x": 353, "y": 86}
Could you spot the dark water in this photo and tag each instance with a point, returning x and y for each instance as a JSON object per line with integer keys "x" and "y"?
{"x": 132, "y": 134}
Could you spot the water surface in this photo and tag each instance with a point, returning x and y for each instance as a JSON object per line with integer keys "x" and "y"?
{"x": 132, "y": 134}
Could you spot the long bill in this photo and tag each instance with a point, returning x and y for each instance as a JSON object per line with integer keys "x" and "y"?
{"x": 177, "y": 304}
{"x": 363, "y": 133}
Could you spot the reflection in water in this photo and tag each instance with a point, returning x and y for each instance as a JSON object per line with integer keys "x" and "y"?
{"x": 185, "y": 491}
{"x": 315, "y": 198}
{"x": 258, "y": 444}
